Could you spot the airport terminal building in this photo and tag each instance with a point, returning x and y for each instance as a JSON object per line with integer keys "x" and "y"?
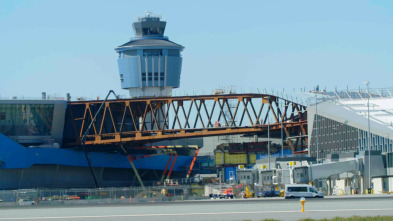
{"x": 339, "y": 123}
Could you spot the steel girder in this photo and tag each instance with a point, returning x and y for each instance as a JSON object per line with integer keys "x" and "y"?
{"x": 153, "y": 119}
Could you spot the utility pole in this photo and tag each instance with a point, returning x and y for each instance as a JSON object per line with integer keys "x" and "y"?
{"x": 316, "y": 125}
{"x": 268, "y": 143}
{"x": 282, "y": 141}
{"x": 219, "y": 177}
{"x": 282, "y": 137}
{"x": 369, "y": 134}
{"x": 386, "y": 155}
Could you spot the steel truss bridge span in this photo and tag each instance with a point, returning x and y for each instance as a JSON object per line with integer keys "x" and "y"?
{"x": 144, "y": 120}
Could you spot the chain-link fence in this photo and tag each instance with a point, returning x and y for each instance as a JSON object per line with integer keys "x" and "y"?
{"x": 96, "y": 196}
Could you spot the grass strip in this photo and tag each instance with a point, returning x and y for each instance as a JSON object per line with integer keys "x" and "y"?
{"x": 353, "y": 218}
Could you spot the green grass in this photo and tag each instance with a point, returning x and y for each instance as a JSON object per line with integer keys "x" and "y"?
{"x": 353, "y": 218}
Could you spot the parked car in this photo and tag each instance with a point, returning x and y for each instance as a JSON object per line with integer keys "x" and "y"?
{"x": 271, "y": 193}
{"x": 268, "y": 192}
{"x": 301, "y": 190}
{"x": 221, "y": 196}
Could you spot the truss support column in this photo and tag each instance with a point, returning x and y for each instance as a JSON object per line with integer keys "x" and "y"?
{"x": 166, "y": 168}
{"x": 83, "y": 139}
{"x": 192, "y": 163}
{"x": 93, "y": 175}
{"x": 289, "y": 141}
{"x": 173, "y": 164}
{"x": 133, "y": 168}
{"x": 136, "y": 172}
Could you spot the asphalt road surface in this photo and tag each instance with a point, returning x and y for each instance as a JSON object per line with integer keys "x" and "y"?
{"x": 247, "y": 209}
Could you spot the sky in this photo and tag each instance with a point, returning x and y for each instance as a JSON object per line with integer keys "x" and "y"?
{"x": 61, "y": 47}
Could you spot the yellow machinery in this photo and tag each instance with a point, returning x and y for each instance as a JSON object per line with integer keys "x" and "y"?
{"x": 248, "y": 193}
{"x": 234, "y": 159}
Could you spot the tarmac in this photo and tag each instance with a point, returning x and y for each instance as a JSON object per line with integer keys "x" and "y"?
{"x": 225, "y": 209}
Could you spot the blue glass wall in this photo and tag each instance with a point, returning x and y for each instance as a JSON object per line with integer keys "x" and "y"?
{"x": 26, "y": 119}
{"x": 148, "y": 70}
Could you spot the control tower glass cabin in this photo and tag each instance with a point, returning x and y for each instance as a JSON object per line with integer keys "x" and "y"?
{"x": 149, "y": 64}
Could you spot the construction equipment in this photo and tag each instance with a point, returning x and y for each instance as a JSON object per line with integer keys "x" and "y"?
{"x": 248, "y": 193}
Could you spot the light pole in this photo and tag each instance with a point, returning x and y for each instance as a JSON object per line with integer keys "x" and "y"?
{"x": 387, "y": 156}
{"x": 268, "y": 143}
{"x": 282, "y": 141}
{"x": 282, "y": 134}
{"x": 316, "y": 125}
{"x": 369, "y": 134}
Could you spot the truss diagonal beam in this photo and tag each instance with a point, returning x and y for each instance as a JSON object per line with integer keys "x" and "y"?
{"x": 152, "y": 119}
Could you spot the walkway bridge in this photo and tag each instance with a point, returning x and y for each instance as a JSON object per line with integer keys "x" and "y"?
{"x": 144, "y": 120}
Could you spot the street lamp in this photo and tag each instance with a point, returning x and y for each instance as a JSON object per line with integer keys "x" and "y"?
{"x": 317, "y": 125}
{"x": 282, "y": 133}
{"x": 268, "y": 143}
{"x": 369, "y": 134}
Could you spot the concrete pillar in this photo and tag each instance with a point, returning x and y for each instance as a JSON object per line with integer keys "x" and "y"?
{"x": 329, "y": 186}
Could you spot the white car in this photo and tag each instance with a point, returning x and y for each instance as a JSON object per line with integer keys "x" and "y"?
{"x": 301, "y": 190}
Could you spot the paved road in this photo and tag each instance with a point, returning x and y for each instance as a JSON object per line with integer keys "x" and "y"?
{"x": 248, "y": 209}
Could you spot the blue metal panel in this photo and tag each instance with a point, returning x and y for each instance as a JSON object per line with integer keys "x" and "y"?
{"x": 287, "y": 153}
{"x": 129, "y": 68}
{"x": 230, "y": 172}
{"x": 173, "y": 71}
{"x": 15, "y": 156}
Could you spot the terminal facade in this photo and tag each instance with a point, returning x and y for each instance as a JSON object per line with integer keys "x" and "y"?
{"x": 338, "y": 130}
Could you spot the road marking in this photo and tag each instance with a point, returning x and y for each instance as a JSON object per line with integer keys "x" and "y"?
{"x": 186, "y": 214}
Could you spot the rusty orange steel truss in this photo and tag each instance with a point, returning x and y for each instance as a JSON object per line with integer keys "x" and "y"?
{"x": 151, "y": 119}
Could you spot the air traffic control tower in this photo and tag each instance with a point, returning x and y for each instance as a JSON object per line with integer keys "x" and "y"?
{"x": 149, "y": 64}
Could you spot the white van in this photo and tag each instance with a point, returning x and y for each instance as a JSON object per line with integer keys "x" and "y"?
{"x": 301, "y": 190}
